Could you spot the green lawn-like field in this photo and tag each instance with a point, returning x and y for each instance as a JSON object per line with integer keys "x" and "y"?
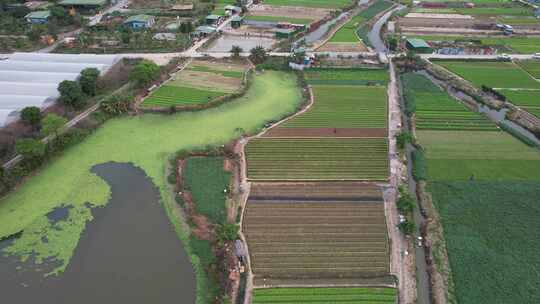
{"x": 528, "y": 100}
{"x": 491, "y": 236}
{"x": 146, "y": 141}
{"x": 171, "y": 95}
{"x": 344, "y": 107}
{"x": 205, "y": 178}
{"x": 494, "y": 156}
{"x": 317, "y": 159}
{"x": 524, "y": 45}
{"x": 531, "y": 66}
{"x": 436, "y": 110}
{"x": 310, "y": 3}
{"x": 280, "y": 19}
{"x": 347, "y": 33}
{"x": 325, "y": 295}
{"x": 492, "y": 74}
{"x": 347, "y": 76}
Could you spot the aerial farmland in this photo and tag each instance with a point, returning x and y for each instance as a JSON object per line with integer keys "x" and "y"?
{"x": 270, "y": 151}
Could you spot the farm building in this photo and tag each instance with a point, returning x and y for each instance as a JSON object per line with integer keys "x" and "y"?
{"x": 285, "y": 33}
{"x": 84, "y": 5}
{"x": 232, "y": 10}
{"x": 140, "y": 21}
{"x": 203, "y": 31}
{"x": 237, "y": 21}
{"x": 38, "y": 17}
{"x": 213, "y": 19}
{"x": 418, "y": 45}
{"x": 31, "y": 79}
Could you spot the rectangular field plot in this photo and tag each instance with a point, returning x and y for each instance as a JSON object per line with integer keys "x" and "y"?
{"x": 497, "y": 75}
{"x": 199, "y": 83}
{"x": 347, "y": 76}
{"x": 469, "y": 155}
{"x": 295, "y": 237}
{"x": 531, "y": 66}
{"x": 344, "y": 107}
{"x": 436, "y": 110}
{"x": 310, "y": 3}
{"x": 528, "y": 100}
{"x": 325, "y": 295}
{"x": 304, "y": 159}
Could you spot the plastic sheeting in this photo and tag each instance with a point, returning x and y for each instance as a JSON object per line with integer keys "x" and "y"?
{"x": 31, "y": 79}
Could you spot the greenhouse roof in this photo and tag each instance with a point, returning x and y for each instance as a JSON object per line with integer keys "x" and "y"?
{"x": 31, "y": 79}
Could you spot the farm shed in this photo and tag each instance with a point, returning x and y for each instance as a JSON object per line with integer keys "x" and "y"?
{"x": 203, "y": 31}
{"x": 213, "y": 19}
{"x": 285, "y": 33}
{"x": 38, "y": 17}
{"x": 237, "y": 21}
{"x": 31, "y": 79}
{"x": 140, "y": 21}
{"x": 84, "y": 5}
{"x": 418, "y": 45}
{"x": 232, "y": 10}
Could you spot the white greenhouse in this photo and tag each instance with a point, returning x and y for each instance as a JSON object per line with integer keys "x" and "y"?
{"x": 31, "y": 79}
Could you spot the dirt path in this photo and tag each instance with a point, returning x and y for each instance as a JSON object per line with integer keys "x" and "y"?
{"x": 401, "y": 265}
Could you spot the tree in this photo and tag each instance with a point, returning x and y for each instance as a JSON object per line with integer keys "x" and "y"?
{"x": 258, "y": 55}
{"x": 88, "y": 81}
{"x": 71, "y": 94}
{"x": 405, "y": 204}
{"x": 407, "y": 227}
{"x": 403, "y": 138}
{"x": 236, "y": 51}
{"x": 31, "y": 116}
{"x": 52, "y": 123}
{"x": 144, "y": 73}
{"x": 116, "y": 104}
{"x": 30, "y": 148}
{"x": 226, "y": 232}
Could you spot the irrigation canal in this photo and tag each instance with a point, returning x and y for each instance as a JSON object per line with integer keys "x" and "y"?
{"x": 129, "y": 253}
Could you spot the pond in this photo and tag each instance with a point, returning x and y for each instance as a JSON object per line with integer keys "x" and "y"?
{"x": 129, "y": 253}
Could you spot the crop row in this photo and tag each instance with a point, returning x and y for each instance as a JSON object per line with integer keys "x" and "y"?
{"x": 174, "y": 95}
{"x": 325, "y": 295}
{"x": 344, "y": 107}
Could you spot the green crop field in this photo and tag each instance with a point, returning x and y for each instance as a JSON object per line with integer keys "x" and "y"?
{"x": 492, "y": 74}
{"x": 169, "y": 95}
{"x": 496, "y": 156}
{"x": 347, "y": 76}
{"x": 377, "y": 7}
{"x": 317, "y": 159}
{"x": 225, "y": 73}
{"x": 491, "y": 235}
{"x": 528, "y": 100}
{"x": 347, "y": 33}
{"x": 352, "y": 295}
{"x": 344, "y": 107}
{"x": 146, "y": 141}
{"x": 524, "y": 45}
{"x": 310, "y": 3}
{"x": 531, "y": 66}
{"x": 205, "y": 178}
{"x": 436, "y": 110}
{"x": 495, "y": 11}
{"x": 280, "y": 19}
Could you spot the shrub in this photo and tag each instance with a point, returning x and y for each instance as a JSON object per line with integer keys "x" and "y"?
{"x": 226, "y": 232}
{"x": 88, "y": 81}
{"x": 31, "y": 116}
{"x": 403, "y": 138}
{"x": 419, "y": 165}
{"x": 116, "y": 104}
{"x": 71, "y": 94}
{"x": 407, "y": 227}
{"x": 406, "y": 203}
{"x": 144, "y": 73}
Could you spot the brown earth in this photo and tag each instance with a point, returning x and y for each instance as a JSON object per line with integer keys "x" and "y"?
{"x": 207, "y": 80}
{"x": 326, "y": 132}
{"x": 289, "y": 11}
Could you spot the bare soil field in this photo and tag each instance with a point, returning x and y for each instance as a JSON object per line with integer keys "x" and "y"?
{"x": 329, "y": 232}
{"x": 209, "y": 81}
{"x": 343, "y": 47}
{"x": 325, "y": 132}
{"x": 289, "y": 11}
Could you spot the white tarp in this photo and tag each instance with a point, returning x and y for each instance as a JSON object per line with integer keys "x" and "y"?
{"x": 31, "y": 79}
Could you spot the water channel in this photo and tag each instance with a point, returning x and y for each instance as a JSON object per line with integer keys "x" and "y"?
{"x": 129, "y": 253}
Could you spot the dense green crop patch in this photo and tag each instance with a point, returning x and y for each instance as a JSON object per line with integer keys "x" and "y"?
{"x": 490, "y": 230}
{"x": 347, "y": 33}
{"x": 344, "y": 107}
{"x": 168, "y": 95}
{"x": 531, "y": 66}
{"x": 205, "y": 178}
{"x": 280, "y": 19}
{"x": 201, "y": 68}
{"x": 528, "y": 100}
{"x": 325, "y": 295}
{"x": 347, "y": 76}
{"x": 460, "y": 155}
{"x": 317, "y": 159}
{"x": 492, "y": 74}
{"x": 436, "y": 110}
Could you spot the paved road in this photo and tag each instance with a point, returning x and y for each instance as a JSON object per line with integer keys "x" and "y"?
{"x": 117, "y": 7}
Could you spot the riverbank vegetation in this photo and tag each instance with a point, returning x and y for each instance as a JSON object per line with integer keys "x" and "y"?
{"x": 133, "y": 139}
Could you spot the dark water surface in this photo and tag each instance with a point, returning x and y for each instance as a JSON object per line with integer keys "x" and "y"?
{"x": 129, "y": 253}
